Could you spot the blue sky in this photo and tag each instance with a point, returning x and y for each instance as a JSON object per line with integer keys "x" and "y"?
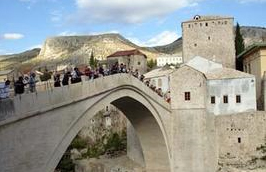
{"x": 25, "y": 24}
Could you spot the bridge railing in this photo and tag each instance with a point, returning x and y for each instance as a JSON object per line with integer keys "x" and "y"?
{"x": 49, "y": 97}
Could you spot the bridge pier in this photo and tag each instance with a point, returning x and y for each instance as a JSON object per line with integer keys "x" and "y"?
{"x": 193, "y": 144}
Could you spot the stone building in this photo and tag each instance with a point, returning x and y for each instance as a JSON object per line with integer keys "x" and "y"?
{"x": 211, "y": 37}
{"x": 220, "y": 90}
{"x": 160, "y": 78}
{"x": 133, "y": 59}
{"x": 169, "y": 59}
{"x": 254, "y": 62}
{"x": 204, "y": 90}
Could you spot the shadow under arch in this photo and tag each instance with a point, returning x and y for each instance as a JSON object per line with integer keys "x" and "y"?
{"x": 143, "y": 116}
{"x": 149, "y": 133}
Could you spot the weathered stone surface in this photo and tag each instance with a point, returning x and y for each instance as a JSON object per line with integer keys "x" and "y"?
{"x": 75, "y": 154}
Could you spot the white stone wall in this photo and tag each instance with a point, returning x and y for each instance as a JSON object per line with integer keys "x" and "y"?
{"x": 163, "y": 60}
{"x": 210, "y": 38}
{"x": 245, "y": 87}
{"x": 164, "y": 80}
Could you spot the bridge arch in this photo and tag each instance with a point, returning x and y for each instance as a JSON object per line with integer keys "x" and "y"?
{"x": 140, "y": 110}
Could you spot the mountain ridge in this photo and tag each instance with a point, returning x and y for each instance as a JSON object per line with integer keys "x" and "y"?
{"x": 67, "y": 48}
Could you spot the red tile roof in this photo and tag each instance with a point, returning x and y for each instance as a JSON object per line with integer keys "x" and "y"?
{"x": 127, "y": 53}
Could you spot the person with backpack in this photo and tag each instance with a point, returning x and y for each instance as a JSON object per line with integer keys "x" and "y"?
{"x": 75, "y": 76}
{"x": 57, "y": 82}
{"x": 66, "y": 78}
{"x": 19, "y": 86}
{"x": 32, "y": 82}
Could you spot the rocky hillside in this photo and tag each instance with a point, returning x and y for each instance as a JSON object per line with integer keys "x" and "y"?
{"x": 77, "y": 49}
{"x": 173, "y": 48}
{"x": 9, "y": 61}
{"x": 253, "y": 34}
{"x": 76, "y": 46}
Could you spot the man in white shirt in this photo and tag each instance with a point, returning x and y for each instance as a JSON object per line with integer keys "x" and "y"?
{"x": 4, "y": 90}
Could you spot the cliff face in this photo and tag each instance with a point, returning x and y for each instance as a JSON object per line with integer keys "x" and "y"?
{"x": 83, "y": 46}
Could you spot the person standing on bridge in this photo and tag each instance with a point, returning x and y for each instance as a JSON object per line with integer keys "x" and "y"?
{"x": 4, "y": 90}
{"x": 57, "y": 82}
{"x": 66, "y": 77}
{"x": 19, "y": 86}
{"x": 32, "y": 82}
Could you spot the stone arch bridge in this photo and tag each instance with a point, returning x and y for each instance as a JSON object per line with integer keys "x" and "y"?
{"x": 37, "y": 128}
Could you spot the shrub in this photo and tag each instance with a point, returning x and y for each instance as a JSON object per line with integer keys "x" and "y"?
{"x": 46, "y": 76}
{"x": 116, "y": 142}
{"x": 94, "y": 151}
{"x": 66, "y": 164}
{"x": 78, "y": 143}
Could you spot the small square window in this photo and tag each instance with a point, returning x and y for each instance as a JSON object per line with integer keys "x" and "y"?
{"x": 187, "y": 96}
{"x": 226, "y": 99}
{"x": 212, "y": 99}
{"x": 238, "y": 99}
{"x": 195, "y": 45}
{"x": 209, "y": 38}
{"x": 138, "y": 63}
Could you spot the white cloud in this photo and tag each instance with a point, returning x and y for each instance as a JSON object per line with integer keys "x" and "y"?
{"x": 67, "y": 33}
{"x": 103, "y": 32}
{"x": 126, "y": 11}
{"x": 35, "y": 46}
{"x": 12, "y": 36}
{"x": 163, "y": 38}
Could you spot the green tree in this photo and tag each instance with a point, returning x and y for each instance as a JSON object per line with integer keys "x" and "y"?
{"x": 93, "y": 61}
{"x": 151, "y": 63}
{"x": 239, "y": 47}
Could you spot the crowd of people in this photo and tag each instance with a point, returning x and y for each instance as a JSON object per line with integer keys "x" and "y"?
{"x": 19, "y": 86}
{"x": 74, "y": 76}
{"x": 159, "y": 91}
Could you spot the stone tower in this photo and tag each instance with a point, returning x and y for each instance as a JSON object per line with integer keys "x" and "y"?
{"x": 211, "y": 37}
